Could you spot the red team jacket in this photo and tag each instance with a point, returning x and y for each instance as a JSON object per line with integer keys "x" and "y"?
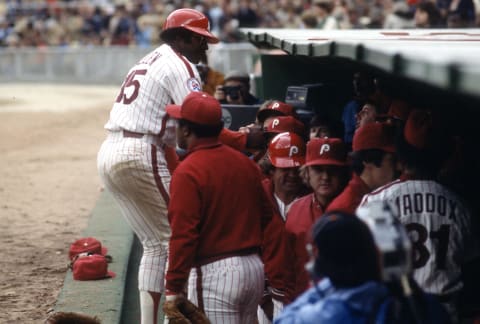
{"x": 214, "y": 212}
{"x": 351, "y": 196}
{"x": 268, "y": 186}
{"x": 282, "y": 259}
{"x": 301, "y": 216}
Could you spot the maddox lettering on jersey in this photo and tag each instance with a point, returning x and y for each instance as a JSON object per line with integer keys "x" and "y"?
{"x": 421, "y": 203}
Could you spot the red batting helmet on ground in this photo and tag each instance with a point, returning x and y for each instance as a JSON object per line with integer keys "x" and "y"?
{"x": 192, "y": 20}
{"x": 287, "y": 150}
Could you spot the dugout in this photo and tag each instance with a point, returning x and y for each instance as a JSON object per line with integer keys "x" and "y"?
{"x": 429, "y": 68}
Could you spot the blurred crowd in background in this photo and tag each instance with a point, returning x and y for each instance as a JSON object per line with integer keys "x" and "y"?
{"x": 138, "y": 22}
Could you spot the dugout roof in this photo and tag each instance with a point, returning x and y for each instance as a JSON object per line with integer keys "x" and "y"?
{"x": 444, "y": 58}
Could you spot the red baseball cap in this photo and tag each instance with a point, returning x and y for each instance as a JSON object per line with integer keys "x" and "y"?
{"x": 281, "y": 124}
{"x": 86, "y": 245}
{"x": 326, "y": 151}
{"x": 91, "y": 267}
{"x": 418, "y": 130}
{"x": 198, "y": 107}
{"x": 399, "y": 109}
{"x": 275, "y": 108}
{"x": 371, "y": 136}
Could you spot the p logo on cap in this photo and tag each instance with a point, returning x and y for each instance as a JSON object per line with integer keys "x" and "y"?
{"x": 275, "y": 122}
{"x": 281, "y": 124}
{"x": 324, "y": 148}
{"x": 326, "y": 151}
{"x": 275, "y": 108}
{"x": 287, "y": 150}
{"x": 293, "y": 151}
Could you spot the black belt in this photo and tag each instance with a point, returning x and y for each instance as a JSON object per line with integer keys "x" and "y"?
{"x": 127, "y": 133}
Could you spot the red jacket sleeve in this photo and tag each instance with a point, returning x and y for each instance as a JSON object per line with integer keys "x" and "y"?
{"x": 184, "y": 223}
{"x": 236, "y": 140}
{"x": 290, "y": 281}
{"x": 172, "y": 158}
{"x": 274, "y": 254}
{"x": 274, "y": 247}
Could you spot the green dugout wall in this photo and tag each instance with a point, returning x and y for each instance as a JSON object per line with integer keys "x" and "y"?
{"x": 427, "y": 67}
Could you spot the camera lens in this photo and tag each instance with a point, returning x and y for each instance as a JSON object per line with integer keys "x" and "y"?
{"x": 232, "y": 92}
{"x": 234, "y": 95}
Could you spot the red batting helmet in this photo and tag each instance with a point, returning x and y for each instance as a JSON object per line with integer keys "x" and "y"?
{"x": 287, "y": 150}
{"x": 192, "y": 20}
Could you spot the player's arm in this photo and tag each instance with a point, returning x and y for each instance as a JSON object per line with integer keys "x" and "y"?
{"x": 249, "y": 138}
{"x": 290, "y": 256}
{"x": 181, "y": 82}
{"x": 236, "y": 140}
{"x": 274, "y": 249}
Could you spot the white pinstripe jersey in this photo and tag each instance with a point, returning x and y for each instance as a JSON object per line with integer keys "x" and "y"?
{"x": 162, "y": 77}
{"x": 438, "y": 222}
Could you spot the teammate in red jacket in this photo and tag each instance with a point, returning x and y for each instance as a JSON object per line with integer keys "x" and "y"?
{"x": 373, "y": 164}
{"x": 327, "y": 173}
{"x": 286, "y": 153}
{"x": 218, "y": 211}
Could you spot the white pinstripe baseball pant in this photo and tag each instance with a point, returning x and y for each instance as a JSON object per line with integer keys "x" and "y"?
{"x": 230, "y": 288}
{"x": 135, "y": 172}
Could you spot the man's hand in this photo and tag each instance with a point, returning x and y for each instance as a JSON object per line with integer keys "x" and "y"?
{"x": 246, "y": 129}
{"x": 171, "y": 310}
{"x": 255, "y": 138}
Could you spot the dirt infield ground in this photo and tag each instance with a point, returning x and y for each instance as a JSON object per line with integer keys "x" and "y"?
{"x": 49, "y": 137}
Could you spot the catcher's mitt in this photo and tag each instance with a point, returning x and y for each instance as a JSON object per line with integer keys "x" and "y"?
{"x": 182, "y": 311}
{"x": 192, "y": 312}
{"x": 70, "y": 317}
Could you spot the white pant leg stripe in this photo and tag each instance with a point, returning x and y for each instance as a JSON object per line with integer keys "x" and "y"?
{"x": 157, "y": 176}
{"x": 131, "y": 187}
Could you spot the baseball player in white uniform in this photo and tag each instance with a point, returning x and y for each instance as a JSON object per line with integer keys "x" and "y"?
{"x": 132, "y": 161}
{"x": 437, "y": 220}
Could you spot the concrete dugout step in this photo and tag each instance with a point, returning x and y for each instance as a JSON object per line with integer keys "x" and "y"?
{"x": 112, "y": 300}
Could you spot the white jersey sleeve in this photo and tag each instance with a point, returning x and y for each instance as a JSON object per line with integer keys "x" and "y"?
{"x": 162, "y": 77}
